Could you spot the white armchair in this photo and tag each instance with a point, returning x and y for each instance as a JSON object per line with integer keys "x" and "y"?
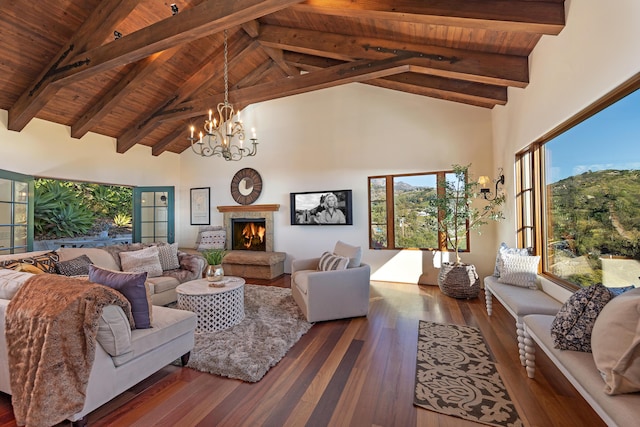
{"x": 328, "y": 295}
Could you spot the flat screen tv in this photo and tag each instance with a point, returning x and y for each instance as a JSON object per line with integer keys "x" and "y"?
{"x": 321, "y": 208}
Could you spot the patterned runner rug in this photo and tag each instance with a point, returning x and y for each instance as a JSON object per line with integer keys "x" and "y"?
{"x": 456, "y": 376}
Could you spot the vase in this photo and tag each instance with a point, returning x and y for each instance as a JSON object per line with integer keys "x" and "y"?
{"x": 214, "y": 273}
{"x": 459, "y": 280}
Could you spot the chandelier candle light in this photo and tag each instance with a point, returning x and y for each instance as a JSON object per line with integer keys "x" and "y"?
{"x": 222, "y": 135}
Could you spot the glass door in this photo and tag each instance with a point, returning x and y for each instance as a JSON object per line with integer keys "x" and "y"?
{"x": 153, "y": 214}
{"x": 16, "y": 213}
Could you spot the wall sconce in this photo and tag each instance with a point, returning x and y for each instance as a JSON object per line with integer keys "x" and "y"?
{"x": 484, "y": 186}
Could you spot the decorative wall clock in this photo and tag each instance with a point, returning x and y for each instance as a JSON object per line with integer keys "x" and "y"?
{"x": 246, "y": 186}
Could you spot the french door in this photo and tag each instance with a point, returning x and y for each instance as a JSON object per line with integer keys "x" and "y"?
{"x": 153, "y": 214}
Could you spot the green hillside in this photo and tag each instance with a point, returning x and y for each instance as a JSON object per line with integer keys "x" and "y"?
{"x": 598, "y": 213}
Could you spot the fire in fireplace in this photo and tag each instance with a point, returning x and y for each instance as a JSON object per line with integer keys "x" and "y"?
{"x": 248, "y": 234}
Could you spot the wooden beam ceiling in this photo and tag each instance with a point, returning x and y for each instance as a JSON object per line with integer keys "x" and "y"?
{"x": 466, "y": 51}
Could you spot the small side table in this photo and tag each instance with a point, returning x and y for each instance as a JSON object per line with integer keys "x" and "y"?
{"x": 217, "y": 308}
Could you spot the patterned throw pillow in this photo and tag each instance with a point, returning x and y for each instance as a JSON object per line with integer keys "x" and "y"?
{"x": 329, "y": 261}
{"x": 74, "y": 267}
{"x": 505, "y": 250}
{"x": 168, "y": 255}
{"x": 571, "y": 329}
{"x": 45, "y": 262}
{"x": 520, "y": 271}
{"x": 214, "y": 239}
{"x": 144, "y": 260}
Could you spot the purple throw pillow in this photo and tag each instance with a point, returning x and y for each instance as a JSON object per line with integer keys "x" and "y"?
{"x": 131, "y": 285}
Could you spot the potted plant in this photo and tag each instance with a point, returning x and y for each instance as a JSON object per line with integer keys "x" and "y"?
{"x": 457, "y": 214}
{"x": 214, "y": 257}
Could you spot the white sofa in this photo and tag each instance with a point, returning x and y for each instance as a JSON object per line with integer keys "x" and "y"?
{"x": 135, "y": 354}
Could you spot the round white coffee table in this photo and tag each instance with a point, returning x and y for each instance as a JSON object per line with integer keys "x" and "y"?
{"x": 217, "y": 308}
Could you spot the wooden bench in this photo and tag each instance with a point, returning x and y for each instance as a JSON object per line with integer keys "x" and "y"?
{"x": 519, "y": 302}
{"x": 580, "y": 369}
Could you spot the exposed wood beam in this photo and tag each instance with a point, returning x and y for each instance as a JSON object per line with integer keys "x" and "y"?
{"x": 471, "y": 93}
{"x": 438, "y": 87}
{"x": 277, "y": 56}
{"x": 252, "y": 28}
{"x": 209, "y": 17}
{"x": 513, "y": 15}
{"x": 125, "y": 86}
{"x": 257, "y": 74}
{"x": 92, "y": 33}
{"x": 210, "y": 70}
{"x": 330, "y": 77}
{"x": 162, "y": 145}
{"x": 489, "y": 68}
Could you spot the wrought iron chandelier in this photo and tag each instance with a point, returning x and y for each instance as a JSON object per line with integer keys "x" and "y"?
{"x": 223, "y": 136}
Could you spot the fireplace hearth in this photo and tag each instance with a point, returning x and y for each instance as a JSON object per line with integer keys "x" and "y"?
{"x": 248, "y": 234}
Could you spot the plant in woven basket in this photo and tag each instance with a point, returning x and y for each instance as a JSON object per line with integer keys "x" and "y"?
{"x": 457, "y": 212}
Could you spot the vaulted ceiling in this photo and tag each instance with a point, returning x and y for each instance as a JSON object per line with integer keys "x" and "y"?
{"x": 138, "y": 72}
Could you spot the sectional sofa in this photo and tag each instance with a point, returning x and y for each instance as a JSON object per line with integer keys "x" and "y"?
{"x": 123, "y": 357}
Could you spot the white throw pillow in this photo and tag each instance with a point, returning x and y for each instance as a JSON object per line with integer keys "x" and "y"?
{"x": 214, "y": 239}
{"x": 146, "y": 259}
{"x": 168, "y": 255}
{"x": 505, "y": 250}
{"x": 114, "y": 331}
{"x": 615, "y": 343}
{"x": 11, "y": 281}
{"x": 354, "y": 253}
{"x": 520, "y": 271}
{"x": 329, "y": 262}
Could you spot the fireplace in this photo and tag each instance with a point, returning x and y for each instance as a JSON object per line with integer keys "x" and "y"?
{"x": 248, "y": 234}
{"x": 252, "y": 213}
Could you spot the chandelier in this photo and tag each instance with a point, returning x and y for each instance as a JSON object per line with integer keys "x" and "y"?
{"x": 223, "y": 136}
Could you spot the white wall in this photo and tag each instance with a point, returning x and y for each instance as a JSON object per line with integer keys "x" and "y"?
{"x": 46, "y": 149}
{"x": 334, "y": 139}
{"x": 597, "y": 51}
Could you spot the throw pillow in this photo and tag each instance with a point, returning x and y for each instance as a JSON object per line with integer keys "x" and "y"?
{"x": 618, "y": 291}
{"x": 143, "y": 260}
{"x": 615, "y": 343}
{"x": 168, "y": 255}
{"x": 74, "y": 267}
{"x": 45, "y": 262}
{"x": 520, "y": 271}
{"x": 28, "y": 268}
{"x": 132, "y": 286}
{"x": 354, "y": 253}
{"x": 213, "y": 239}
{"x": 572, "y": 326}
{"x": 504, "y": 250}
{"x": 329, "y": 261}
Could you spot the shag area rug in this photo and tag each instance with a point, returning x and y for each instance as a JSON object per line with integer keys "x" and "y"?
{"x": 456, "y": 376}
{"x": 273, "y": 323}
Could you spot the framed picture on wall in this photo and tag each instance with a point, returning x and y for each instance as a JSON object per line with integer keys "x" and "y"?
{"x": 321, "y": 208}
{"x": 201, "y": 206}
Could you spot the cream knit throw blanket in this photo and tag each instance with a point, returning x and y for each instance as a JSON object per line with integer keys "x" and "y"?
{"x": 51, "y": 326}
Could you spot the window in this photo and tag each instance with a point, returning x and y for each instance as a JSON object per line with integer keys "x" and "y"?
{"x": 153, "y": 214}
{"x": 16, "y": 213}
{"x": 402, "y": 214}
{"x": 578, "y": 195}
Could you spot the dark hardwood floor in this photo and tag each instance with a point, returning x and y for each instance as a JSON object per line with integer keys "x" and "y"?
{"x": 354, "y": 372}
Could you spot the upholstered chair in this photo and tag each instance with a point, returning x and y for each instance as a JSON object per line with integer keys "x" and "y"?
{"x": 333, "y": 286}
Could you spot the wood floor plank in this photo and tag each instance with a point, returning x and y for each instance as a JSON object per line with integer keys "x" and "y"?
{"x": 351, "y": 372}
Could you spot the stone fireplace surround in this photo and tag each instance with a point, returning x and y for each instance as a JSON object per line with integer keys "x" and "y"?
{"x": 252, "y": 264}
{"x": 250, "y": 212}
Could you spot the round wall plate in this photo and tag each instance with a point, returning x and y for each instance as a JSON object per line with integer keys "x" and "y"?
{"x": 246, "y": 186}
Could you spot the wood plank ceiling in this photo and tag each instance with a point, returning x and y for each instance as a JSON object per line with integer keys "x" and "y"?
{"x": 62, "y": 61}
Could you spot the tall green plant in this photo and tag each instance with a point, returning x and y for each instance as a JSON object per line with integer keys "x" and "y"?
{"x": 457, "y": 214}
{"x": 58, "y": 210}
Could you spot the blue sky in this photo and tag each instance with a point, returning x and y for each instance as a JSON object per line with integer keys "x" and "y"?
{"x": 608, "y": 140}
